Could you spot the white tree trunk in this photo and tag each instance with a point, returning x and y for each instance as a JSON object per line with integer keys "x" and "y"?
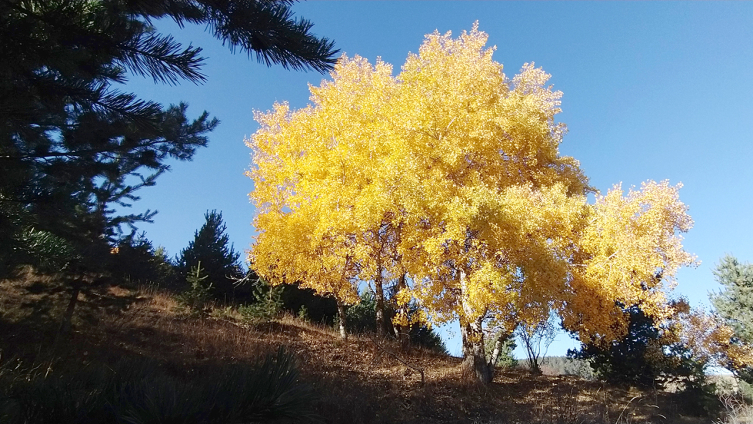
{"x": 341, "y": 315}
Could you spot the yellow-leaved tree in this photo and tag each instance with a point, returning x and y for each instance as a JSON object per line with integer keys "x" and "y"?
{"x": 324, "y": 214}
{"x": 450, "y": 174}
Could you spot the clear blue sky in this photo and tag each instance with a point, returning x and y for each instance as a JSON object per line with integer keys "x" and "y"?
{"x": 652, "y": 90}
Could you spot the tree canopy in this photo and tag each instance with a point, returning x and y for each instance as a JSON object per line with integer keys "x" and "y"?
{"x": 456, "y": 168}
{"x": 73, "y": 145}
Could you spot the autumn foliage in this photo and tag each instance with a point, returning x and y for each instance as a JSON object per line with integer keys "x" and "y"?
{"x": 449, "y": 173}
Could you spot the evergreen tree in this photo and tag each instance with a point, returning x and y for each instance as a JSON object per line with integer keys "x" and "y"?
{"x": 734, "y": 303}
{"x": 642, "y": 358}
{"x": 198, "y": 293}
{"x": 317, "y": 308}
{"x": 506, "y": 346}
{"x": 211, "y": 246}
{"x": 361, "y": 318}
{"x": 72, "y": 145}
{"x": 136, "y": 260}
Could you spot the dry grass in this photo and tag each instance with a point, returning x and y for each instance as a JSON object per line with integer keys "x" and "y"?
{"x": 736, "y": 410}
{"x": 356, "y": 382}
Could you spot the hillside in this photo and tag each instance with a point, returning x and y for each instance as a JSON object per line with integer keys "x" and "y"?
{"x": 355, "y": 381}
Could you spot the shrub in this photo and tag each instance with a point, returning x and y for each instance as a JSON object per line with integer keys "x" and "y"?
{"x": 303, "y": 313}
{"x": 140, "y": 391}
{"x": 361, "y": 318}
{"x": 642, "y": 358}
{"x": 562, "y": 365}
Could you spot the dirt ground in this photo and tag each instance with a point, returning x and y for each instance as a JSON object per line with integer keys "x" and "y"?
{"x": 358, "y": 381}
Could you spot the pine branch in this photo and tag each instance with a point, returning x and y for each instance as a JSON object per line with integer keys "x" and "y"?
{"x": 126, "y": 105}
{"x": 180, "y": 10}
{"x": 163, "y": 59}
{"x": 269, "y": 31}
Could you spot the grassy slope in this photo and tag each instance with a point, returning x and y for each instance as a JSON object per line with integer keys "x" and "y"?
{"x": 356, "y": 381}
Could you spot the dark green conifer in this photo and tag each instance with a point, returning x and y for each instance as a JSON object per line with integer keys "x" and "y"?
{"x": 642, "y": 358}
{"x": 72, "y": 145}
{"x": 212, "y": 248}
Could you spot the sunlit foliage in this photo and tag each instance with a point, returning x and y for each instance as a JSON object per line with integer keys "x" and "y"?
{"x": 629, "y": 253}
{"x": 450, "y": 172}
{"x": 710, "y": 339}
{"x": 317, "y": 186}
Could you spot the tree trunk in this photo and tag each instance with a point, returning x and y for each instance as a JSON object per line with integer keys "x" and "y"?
{"x": 474, "y": 367}
{"x": 533, "y": 357}
{"x": 502, "y": 337}
{"x": 65, "y": 324}
{"x": 341, "y": 315}
{"x": 381, "y": 325}
{"x": 401, "y": 332}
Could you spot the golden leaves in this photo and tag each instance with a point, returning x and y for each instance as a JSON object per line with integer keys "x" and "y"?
{"x": 450, "y": 172}
{"x": 710, "y": 339}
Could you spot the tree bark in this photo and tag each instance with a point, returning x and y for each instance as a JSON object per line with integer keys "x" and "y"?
{"x": 401, "y": 332}
{"x": 341, "y": 315}
{"x": 502, "y": 337}
{"x": 474, "y": 367}
{"x": 65, "y": 324}
{"x": 497, "y": 349}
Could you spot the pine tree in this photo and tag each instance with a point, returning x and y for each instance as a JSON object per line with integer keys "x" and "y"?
{"x": 211, "y": 246}
{"x": 735, "y": 303}
{"x": 136, "y": 260}
{"x": 198, "y": 293}
{"x": 645, "y": 357}
{"x": 72, "y": 145}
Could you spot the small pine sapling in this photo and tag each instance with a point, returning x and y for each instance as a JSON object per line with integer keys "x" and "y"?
{"x": 198, "y": 294}
{"x": 267, "y": 305}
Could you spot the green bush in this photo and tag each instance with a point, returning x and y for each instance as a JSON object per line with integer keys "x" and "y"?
{"x": 361, "y": 318}
{"x": 562, "y": 365}
{"x": 505, "y": 358}
{"x": 746, "y": 390}
{"x": 642, "y": 358}
{"x": 303, "y": 313}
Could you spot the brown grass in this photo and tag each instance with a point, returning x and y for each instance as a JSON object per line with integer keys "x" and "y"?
{"x": 736, "y": 410}
{"x": 356, "y": 382}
